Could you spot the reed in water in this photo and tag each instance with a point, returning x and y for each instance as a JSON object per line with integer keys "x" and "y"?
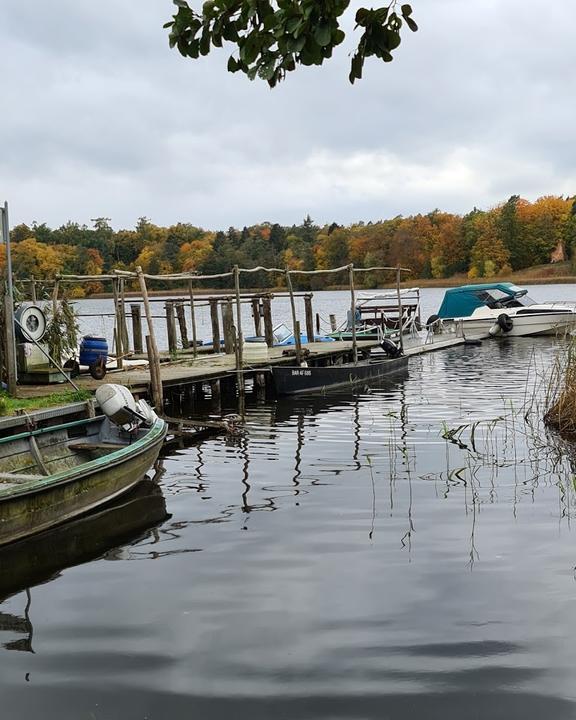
{"x": 561, "y": 391}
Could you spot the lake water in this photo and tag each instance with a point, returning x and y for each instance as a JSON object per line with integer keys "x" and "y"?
{"x": 341, "y": 559}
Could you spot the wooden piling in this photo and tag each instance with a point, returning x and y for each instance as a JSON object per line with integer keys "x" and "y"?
{"x": 123, "y": 324}
{"x": 228, "y": 326}
{"x": 400, "y": 310}
{"x": 317, "y": 323}
{"x": 353, "y": 312}
{"x": 10, "y": 356}
{"x": 216, "y": 394}
{"x": 309, "y": 318}
{"x": 151, "y": 346}
{"x": 180, "y": 315}
{"x": 117, "y": 323}
{"x": 295, "y": 324}
{"x": 155, "y": 382}
{"x": 333, "y": 323}
{"x": 171, "y": 328}
{"x": 240, "y": 337}
{"x": 215, "y": 325}
{"x": 268, "y": 327}
{"x": 33, "y": 290}
{"x": 260, "y": 386}
{"x": 136, "y": 313}
{"x": 256, "y": 316}
{"x": 193, "y": 318}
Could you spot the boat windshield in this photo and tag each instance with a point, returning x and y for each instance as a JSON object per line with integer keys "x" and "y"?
{"x": 282, "y": 333}
{"x": 496, "y": 299}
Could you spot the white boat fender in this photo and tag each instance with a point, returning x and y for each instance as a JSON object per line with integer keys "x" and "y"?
{"x": 495, "y": 330}
{"x": 118, "y": 404}
{"x": 505, "y": 322}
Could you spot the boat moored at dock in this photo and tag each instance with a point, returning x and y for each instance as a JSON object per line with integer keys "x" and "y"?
{"x": 49, "y": 475}
{"x": 502, "y": 309}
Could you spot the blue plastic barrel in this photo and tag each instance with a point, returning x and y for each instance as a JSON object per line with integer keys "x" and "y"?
{"x": 92, "y": 348}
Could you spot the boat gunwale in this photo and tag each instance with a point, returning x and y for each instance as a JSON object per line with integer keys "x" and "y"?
{"x": 155, "y": 433}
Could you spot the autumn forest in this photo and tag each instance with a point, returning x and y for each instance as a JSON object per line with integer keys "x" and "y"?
{"x": 482, "y": 243}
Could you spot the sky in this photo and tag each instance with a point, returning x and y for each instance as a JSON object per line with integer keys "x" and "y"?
{"x": 99, "y": 118}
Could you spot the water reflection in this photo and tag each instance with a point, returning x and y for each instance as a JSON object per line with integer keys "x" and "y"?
{"x": 419, "y": 561}
{"x": 110, "y": 533}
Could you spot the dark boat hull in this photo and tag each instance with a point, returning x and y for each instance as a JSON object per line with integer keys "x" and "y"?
{"x": 296, "y": 380}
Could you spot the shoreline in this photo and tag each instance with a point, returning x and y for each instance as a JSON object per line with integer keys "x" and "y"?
{"x": 421, "y": 283}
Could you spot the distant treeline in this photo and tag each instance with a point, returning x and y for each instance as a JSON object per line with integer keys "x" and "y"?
{"x": 514, "y": 235}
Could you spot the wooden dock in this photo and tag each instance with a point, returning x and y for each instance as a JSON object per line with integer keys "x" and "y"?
{"x": 215, "y": 368}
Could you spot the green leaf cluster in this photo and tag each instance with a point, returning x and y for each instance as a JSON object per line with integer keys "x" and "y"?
{"x": 273, "y": 38}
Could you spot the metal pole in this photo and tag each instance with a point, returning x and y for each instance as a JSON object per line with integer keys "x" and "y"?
{"x": 9, "y": 305}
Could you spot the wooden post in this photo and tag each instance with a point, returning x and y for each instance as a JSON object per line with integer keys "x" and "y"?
{"x": 256, "y": 316}
{"x": 268, "y": 327}
{"x": 155, "y": 386}
{"x": 333, "y": 323}
{"x": 117, "y": 324}
{"x": 123, "y": 324}
{"x": 317, "y": 323}
{"x": 55, "y": 298}
{"x": 228, "y": 326}
{"x": 11, "y": 365}
{"x": 240, "y": 337}
{"x": 260, "y": 386}
{"x": 215, "y": 325}
{"x": 171, "y": 327}
{"x": 353, "y": 313}
{"x": 193, "y": 318}
{"x": 182, "y": 324}
{"x": 137, "y": 328}
{"x": 309, "y": 318}
{"x": 10, "y": 359}
{"x": 33, "y": 290}
{"x": 216, "y": 394}
{"x": 151, "y": 346}
{"x": 295, "y": 324}
{"x": 400, "y": 310}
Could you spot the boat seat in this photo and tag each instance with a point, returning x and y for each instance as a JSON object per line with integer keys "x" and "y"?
{"x": 88, "y": 446}
{"x": 19, "y": 477}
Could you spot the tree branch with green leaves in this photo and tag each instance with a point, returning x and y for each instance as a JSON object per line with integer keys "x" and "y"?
{"x": 274, "y": 38}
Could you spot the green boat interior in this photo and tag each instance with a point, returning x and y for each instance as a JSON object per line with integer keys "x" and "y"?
{"x": 36, "y": 454}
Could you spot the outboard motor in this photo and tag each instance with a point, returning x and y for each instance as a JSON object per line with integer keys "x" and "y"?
{"x": 390, "y": 348}
{"x": 118, "y": 404}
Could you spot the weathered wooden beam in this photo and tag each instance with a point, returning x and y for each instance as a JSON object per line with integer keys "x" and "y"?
{"x": 215, "y": 326}
{"x": 268, "y": 327}
{"x": 180, "y": 315}
{"x": 309, "y": 318}
{"x": 136, "y": 312}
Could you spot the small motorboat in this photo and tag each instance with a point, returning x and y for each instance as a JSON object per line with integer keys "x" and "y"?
{"x": 284, "y": 337}
{"x": 502, "y": 309}
{"x": 49, "y": 475}
{"x": 294, "y": 380}
{"x": 382, "y": 314}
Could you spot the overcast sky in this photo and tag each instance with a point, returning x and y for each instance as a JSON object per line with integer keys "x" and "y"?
{"x": 100, "y": 118}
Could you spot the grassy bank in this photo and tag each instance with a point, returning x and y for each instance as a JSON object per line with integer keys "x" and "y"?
{"x": 10, "y": 405}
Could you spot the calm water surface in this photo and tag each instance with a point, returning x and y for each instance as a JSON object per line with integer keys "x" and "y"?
{"x": 340, "y": 559}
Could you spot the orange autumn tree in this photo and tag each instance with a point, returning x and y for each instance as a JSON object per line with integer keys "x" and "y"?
{"x": 489, "y": 255}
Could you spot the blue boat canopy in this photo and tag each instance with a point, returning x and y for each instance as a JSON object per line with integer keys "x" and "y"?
{"x": 462, "y": 301}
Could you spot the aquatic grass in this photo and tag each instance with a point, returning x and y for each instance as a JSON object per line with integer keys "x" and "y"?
{"x": 560, "y": 397}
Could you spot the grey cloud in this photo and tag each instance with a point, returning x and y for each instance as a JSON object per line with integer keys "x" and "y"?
{"x": 103, "y": 119}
